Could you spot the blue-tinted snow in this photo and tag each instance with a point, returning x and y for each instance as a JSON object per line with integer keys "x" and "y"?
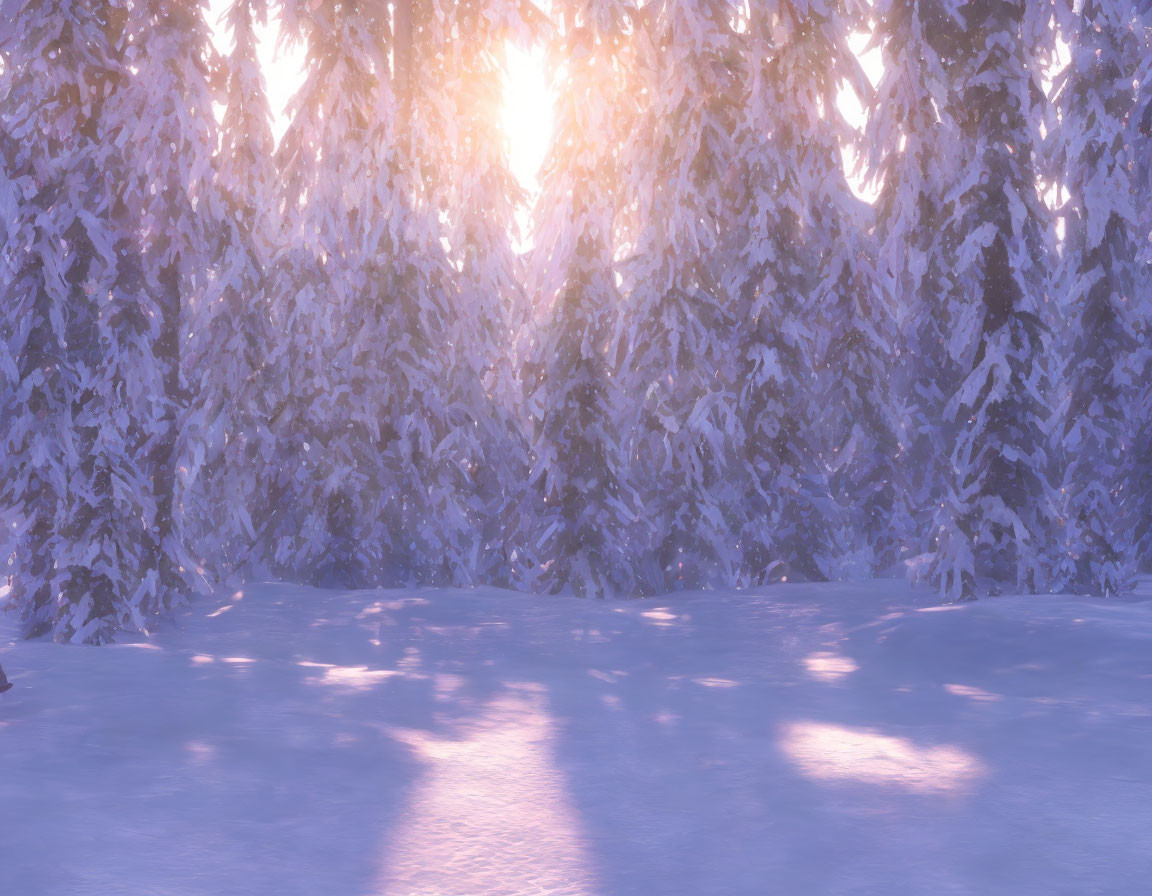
{"x": 798, "y": 740}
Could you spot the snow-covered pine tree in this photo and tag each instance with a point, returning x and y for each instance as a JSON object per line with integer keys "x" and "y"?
{"x": 586, "y": 525}
{"x": 366, "y": 291}
{"x": 995, "y": 524}
{"x": 912, "y": 151}
{"x": 165, "y": 121}
{"x": 433, "y": 440}
{"x": 457, "y": 83}
{"x": 41, "y": 66}
{"x": 1140, "y": 137}
{"x": 854, "y": 331}
{"x": 109, "y": 532}
{"x": 329, "y": 287}
{"x": 676, "y": 319}
{"x": 79, "y": 333}
{"x": 9, "y": 371}
{"x": 225, "y": 427}
{"x": 1098, "y": 413}
{"x": 786, "y": 525}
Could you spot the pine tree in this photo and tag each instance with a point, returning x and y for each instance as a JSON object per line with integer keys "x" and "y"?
{"x": 457, "y": 83}
{"x": 40, "y": 381}
{"x": 994, "y": 528}
{"x": 1096, "y": 99}
{"x": 367, "y": 292}
{"x": 81, "y": 342}
{"x": 786, "y": 526}
{"x": 109, "y": 532}
{"x": 225, "y": 428}
{"x": 329, "y": 286}
{"x": 1140, "y": 136}
{"x": 165, "y": 121}
{"x": 677, "y": 320}
{"x": 10, "y": 215}
{"x": 586, "y": 512}
{"x": 913, "y": 153}
{"x": 433, "y": 447}
{"x": 853, "y": 348}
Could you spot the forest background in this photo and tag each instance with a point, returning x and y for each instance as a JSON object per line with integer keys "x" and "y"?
{"x": 329, "y": 358}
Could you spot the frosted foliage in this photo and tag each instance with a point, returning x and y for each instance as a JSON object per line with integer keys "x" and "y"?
{"x": 855, "y": 325}
{"x": 228, "y": 443}
{"x": 81, "y": 387}
{"x": 585, "y": 528}
{"x": 331, "y": 271}
{"x": 165, "y": 115}
{"x": 1139, "y": 129}
{"x": 326, "y": 361}
{"x": 913, "y": 152}
{"x": 1099, "y": 409}
{"x": 675, "y": 326}
{"x": 794, "y": 270}
{"x": 454, "y": 122}
{"x": 995, "y": 515}
{"x": 393, "y": 431}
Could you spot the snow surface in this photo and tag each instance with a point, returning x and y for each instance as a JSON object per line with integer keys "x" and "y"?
{"x": 794, "y": 740}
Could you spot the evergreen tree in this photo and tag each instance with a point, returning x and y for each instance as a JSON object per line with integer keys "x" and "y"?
{"x": 1139, "y": 132}
{"x": 786, "y": 527}
{"x": 110, "y": 530}
{"x": 459, "y": 51}
{"x": 10, "y": 216}
{"x": 368, "y": 292}
{"x": 913, "y": 153}
{"x": 587, "y": 525}
{"x": 994, "y": 528}
{"x": 434, "y": 444}
{"x": 855, "y": 325}
{"x": 165, "y": 121}
{"x": 330, "y": 290}
{"x": 1095, "y": 100}
{"x": 78, "y": 391}
{"x": 40, "y": 381}
{"x": 225, "y": 428}
{"x": 677, "y": 323}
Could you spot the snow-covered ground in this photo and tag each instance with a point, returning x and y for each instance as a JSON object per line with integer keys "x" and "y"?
{"x": 796, "y": 740}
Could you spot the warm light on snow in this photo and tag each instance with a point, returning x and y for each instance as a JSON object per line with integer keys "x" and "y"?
{"x": 828, "y": 667}
{"x": 715, "y": 682}
{"x": 491, "y": 812}
{"x": 354, "y": 677}
{"x": 659, "y": 616}
{"x": 838, "y": 753}
{"x": 456, "y": 757}
{"x": 966, "y": 690}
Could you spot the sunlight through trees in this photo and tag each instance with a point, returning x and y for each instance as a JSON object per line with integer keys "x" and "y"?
{"x": 576, "y": 297}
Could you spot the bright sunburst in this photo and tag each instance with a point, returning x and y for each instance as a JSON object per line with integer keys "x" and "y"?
{"x": 527, "y": 113}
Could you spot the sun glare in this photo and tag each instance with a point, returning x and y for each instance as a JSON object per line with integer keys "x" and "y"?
{"x": 527, "y": 114}
{"x": 283, "y": 65}
{"x": 852, "y": 108}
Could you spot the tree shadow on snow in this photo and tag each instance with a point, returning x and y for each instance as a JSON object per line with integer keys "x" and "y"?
{"x": 840, "y": 741}
{"x": 212, "y": 758}
{"x": 797, "y": 739}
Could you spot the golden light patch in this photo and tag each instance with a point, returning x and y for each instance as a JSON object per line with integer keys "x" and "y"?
{"x": 839, "y": 754}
